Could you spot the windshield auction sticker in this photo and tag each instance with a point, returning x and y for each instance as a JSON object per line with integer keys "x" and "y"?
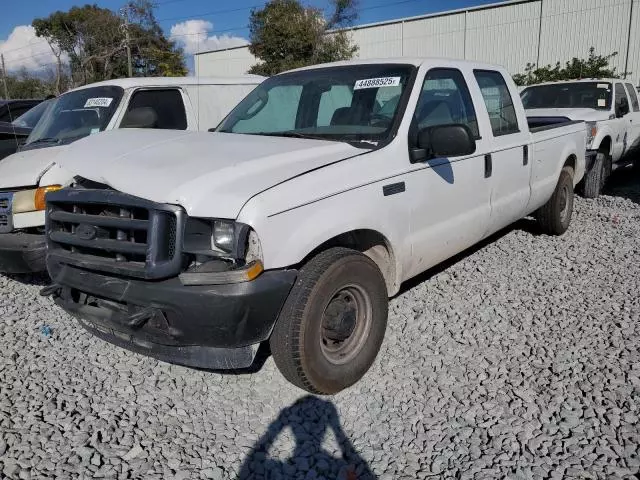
{"x": 377, "y": 82}
{"x": 98, "y": 102}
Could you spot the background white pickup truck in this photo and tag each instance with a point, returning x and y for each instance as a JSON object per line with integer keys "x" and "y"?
{"x": 320, "y": 193}
{"x": 611, "y": 111}
{"x": 156, "y": 103}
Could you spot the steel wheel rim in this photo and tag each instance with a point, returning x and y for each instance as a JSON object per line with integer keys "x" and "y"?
{"x": 345, "y": 325}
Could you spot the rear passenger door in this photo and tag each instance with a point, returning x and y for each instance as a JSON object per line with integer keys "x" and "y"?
{"x": 634, "y": 118}
{"x": 508, "y": 166}
{"x": 156, "y": 108}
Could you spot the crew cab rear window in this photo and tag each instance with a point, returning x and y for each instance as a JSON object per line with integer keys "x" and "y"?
{"x": 445, "y": 100}
{"x": 497, "y": 98}
{"x": 634, "y": 97}
{"x": 620, "y": 94}
{"x": 156, "y": 108}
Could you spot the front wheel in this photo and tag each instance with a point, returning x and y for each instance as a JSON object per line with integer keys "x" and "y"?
{"x": 595, "y": 179}
{"x": 333, "y": 322}
{"x": 554, "y": 217}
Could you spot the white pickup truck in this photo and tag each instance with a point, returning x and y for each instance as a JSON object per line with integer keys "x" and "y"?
{"x": 293, "y": 223}
{"x": 611, "y": 111}
{"x": 157, "y": 103}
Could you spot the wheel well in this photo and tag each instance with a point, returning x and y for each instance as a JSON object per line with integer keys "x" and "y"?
{"x": 570, "y": 162}
{"x": 373, "y": 244}
{"x": 605, "y": 146}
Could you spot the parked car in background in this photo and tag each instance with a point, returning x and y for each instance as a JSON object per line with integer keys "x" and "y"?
{"x": 611, "y": 111}
{"x": 14, "y": 134}
{"x": 318, "y": 195}
{"x": 12, "y": 109}
{"x": 153, "y": 103}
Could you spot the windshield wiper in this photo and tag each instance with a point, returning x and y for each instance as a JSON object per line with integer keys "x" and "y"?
{"x": 292, "y": 135}
{"x": 45, "y": 140}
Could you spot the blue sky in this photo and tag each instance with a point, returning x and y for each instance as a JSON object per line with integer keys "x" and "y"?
{"x": 216, "y": 23}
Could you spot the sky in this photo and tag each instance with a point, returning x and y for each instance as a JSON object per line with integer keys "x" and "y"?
{"x": 197, "y": 25}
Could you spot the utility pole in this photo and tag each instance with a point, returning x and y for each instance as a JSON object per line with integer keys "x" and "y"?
{"x": 4, "y": 77}
{"x": 127, "y": 39}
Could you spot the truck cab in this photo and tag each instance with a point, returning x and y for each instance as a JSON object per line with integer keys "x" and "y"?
{"x": 611, "y": 111}
{"x": 295, "y": 220}
{"x": 188, "y": 104}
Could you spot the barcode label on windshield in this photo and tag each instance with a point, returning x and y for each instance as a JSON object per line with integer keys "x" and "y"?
{"x": 98, "y": 102}
{"x": 377, "y": 82}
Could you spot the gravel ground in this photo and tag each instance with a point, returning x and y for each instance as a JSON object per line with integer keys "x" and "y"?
{"x": 519, "y": 360}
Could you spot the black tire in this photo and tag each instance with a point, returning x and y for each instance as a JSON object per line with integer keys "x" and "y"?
{"x": 554, "y": 217}
{"x": 305, "y": 342}
{"x": 594, "y": 179}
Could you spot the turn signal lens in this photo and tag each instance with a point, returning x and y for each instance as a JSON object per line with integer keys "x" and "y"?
{"x": 41, "y": 193}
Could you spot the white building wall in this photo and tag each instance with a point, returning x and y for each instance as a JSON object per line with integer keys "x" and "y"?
{"x": 513, "y": 34}
{"x": 506, "y": 35}
{"x": 571, "y": 27}
{"x": 228, "y": 63}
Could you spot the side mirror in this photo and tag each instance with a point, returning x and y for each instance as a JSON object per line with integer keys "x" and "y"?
{"x": 622, "y": 108}
{"x": 453, "y": 140}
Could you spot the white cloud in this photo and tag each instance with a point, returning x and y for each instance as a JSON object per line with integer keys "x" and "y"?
{"x": 193, "y": 36}
{"x": 23, "y": 49}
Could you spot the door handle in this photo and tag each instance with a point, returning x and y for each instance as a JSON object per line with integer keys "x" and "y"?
{"x": 488, "y": 165}
{"x": 525, "y": 155}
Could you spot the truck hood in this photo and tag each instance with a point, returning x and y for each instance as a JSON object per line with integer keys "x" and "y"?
{"x": 206, "y": 173}
{"x": 24, "y": 169}
{"x": 586, "y": 114}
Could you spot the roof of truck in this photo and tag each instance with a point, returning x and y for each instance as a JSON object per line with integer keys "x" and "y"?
{"x": 416, "y": 61}
{"x": 173, "y": 81}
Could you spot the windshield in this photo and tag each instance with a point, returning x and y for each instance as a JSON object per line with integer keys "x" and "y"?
{"x": 75, "y": 115}
{"x": 30, "y": 118}
{"x": 594, "y": 95}
{"x": 352, "y": 103}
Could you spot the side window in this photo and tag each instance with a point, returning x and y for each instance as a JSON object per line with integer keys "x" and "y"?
{"x": 497, "y": 98}
{"x": 445, "y": 100}
{"x": 634, "y": 97}
{"x": 275, "y": 112}
{"x": 162, "y": 109}
{"x": 620, "y": 94}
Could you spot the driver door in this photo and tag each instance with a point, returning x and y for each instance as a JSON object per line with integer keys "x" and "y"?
{"x": 621, "y": 142}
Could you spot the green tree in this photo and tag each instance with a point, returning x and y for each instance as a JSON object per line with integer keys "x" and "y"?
{"x": 595, "y": 66}
{"x": 285, "y": 35}
{"x": 26, "y": 85}
{"x": 93, "y": 40}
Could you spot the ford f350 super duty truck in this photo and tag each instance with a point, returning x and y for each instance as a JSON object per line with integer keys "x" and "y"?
{"x": 296, "y": 220}
{"x": 611, "y": 111}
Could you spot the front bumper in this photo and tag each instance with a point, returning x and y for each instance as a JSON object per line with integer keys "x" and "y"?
{"x": 22, "y": 253}
{"x": 212, "y": 327}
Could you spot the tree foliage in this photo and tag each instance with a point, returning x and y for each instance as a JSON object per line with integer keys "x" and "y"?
{"x": 285, "y": 35}
{"x": 595, "y": 66}
{"x": 23, "y": 84}
{"x": 93, "y": 39}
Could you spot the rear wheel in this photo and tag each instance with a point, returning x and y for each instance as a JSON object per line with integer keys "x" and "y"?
{"x": 554, "y": 217}
{"x": 333, "y": 322}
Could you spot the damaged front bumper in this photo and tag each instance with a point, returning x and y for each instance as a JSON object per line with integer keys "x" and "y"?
{"x": 206, "y": 326}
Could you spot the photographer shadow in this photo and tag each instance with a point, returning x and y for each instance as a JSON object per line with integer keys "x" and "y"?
{"x": 309, "y": 419}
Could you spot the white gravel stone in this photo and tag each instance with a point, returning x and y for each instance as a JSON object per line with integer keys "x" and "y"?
{"x": 517, "y": 360}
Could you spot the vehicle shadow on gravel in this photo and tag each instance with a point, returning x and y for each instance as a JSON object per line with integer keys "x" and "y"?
{"x": 309, "y": 420}
{"x": 36, "y": 279}
{"x": 624, "y": 183}
{"x": 528, "y": 225}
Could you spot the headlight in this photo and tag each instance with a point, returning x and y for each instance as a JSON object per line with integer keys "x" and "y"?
{"x": 592, "y": 131}
{"x": 224, "y": 235}
{"x": 32, "y": 200}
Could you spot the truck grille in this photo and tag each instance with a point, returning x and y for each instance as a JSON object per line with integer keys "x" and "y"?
{"x": 111, "y": 231}
{"x": 6, "y": 218}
